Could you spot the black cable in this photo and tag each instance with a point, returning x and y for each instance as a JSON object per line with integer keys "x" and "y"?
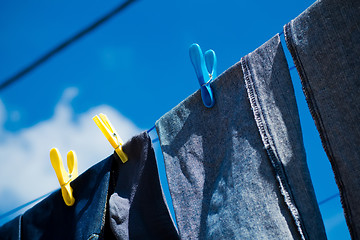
{"x": 63, "y": 45}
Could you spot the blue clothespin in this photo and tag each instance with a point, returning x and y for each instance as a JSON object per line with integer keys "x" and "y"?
{"x": 205, "y": 71}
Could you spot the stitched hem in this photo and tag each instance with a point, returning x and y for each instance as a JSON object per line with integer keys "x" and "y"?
{"x": 315, "y": 113}
{"x": 271, "y": 149}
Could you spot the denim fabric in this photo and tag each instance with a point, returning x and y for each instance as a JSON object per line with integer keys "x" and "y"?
{"x": 52, "y": 219}
{"x": 137, "y": 207}
{"x": 11, "y": 230}
{"x": 238, "y": 170}
{"x": 325, "y": 44}
{"x": 93, "y": 215}
{"x": 273, "y": 103}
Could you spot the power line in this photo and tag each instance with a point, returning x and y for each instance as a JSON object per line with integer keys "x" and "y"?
{"x": 65, "y": 44}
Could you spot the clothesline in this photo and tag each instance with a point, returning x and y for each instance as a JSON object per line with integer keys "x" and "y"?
{"x": 24, "y": 205}
{"x": 153, "y": 127}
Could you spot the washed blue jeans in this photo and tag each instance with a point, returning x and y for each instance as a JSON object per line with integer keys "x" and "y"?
{"x": 324, "y": 42}
{"x": 113, "y": 201}
{"x": 238, "y": 170}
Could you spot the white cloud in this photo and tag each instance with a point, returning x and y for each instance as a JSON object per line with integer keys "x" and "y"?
{"x": 26, "y": 172}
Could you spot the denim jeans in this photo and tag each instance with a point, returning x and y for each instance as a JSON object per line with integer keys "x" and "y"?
{"x": 137, "y": 206}
{"x": 238, "y": 170}
{"x": 324, "y": 42}
{"x": 113, "y": 201}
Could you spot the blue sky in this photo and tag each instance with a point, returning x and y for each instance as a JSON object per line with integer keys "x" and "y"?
{"x": 134, "y": 68}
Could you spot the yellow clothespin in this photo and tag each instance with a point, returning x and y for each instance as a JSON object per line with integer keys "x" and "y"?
{"x": 110, "y": 133}
{"x": 63, "y": 176}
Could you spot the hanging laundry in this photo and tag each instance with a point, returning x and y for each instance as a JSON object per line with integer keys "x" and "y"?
{"x": 238, "y": 170}
{"x": 137, "y": 207}
{"x": 113, "y": 201}
{"x": 324, "y": 42}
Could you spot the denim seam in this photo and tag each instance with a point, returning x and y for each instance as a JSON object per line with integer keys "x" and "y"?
{"x": 271, "y": 153}
{"x": 103, "y": 218}
{"x": 315, "y": 113}
{"x": 20, "y": 226}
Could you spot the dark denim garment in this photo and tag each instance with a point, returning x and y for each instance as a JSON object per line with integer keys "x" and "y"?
{"x": 324, "y": 42}
{"x": 137, "y": 207}
{"x": 143, "y": 216}
{"x": 52, "y": 219}
{"x": 238, "y": 170}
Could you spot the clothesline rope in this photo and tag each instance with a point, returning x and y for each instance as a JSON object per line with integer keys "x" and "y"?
{"x": 24, "y": 205}
{"x": 152, "y": 128}
{"x": 329, "y": 198}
